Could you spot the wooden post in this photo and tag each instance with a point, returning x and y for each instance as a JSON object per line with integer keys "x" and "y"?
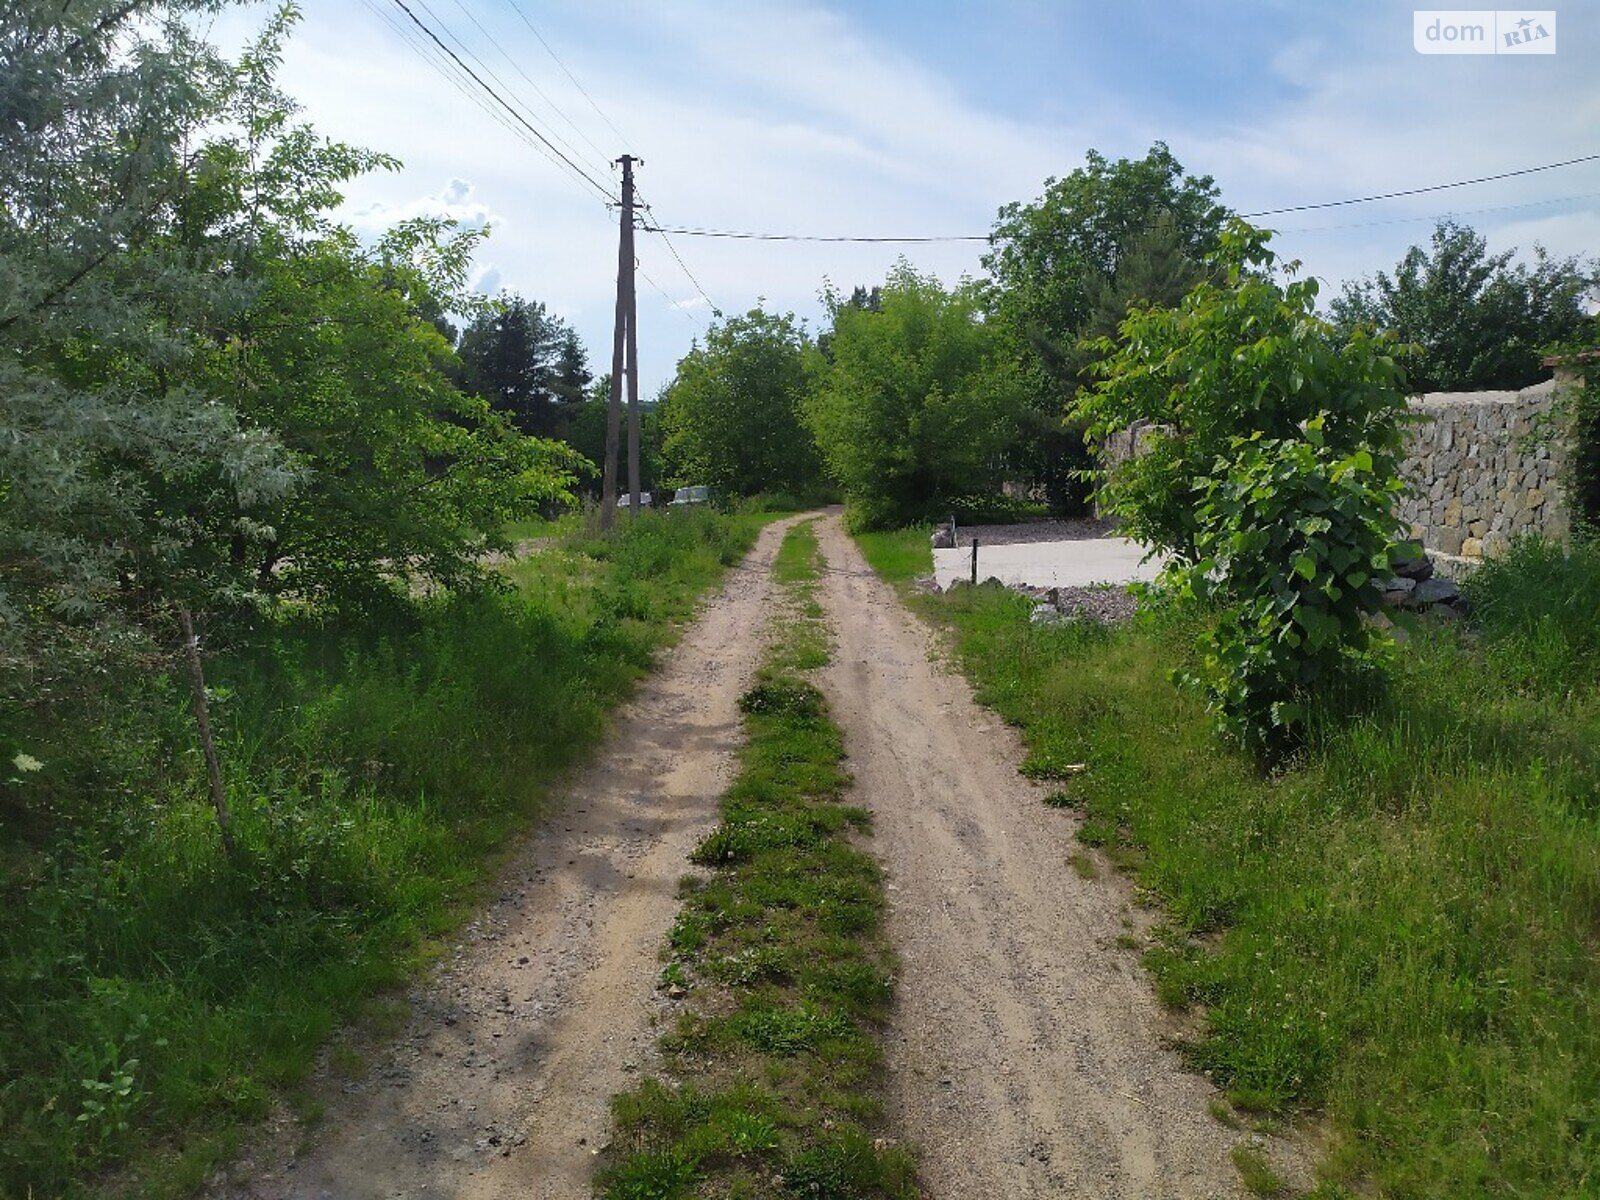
{"x": 974, "y": 562}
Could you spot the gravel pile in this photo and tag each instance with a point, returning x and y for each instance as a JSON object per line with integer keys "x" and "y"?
{"x": 1105, "y": 604}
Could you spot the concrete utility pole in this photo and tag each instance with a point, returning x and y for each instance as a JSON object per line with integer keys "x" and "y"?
{"x": 624, "y": 361}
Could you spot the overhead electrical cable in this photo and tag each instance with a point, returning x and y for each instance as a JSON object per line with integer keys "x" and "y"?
{"x": 675, "y": 305}
{"x": 1459, "y": 212}
{"x": 605, "y": 193}
{"x": 673, "y": 250}
{"x": 746, "y": 235}
{"x": 462, "y": 84}
{"x": 603, "y": 157}
{"x": 1435, "y": 187}
{"x": 507, "y": 92}
{"x": 556, "y": 58}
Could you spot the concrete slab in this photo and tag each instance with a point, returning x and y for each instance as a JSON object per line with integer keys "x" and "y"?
{"x": 1079, "y": 563}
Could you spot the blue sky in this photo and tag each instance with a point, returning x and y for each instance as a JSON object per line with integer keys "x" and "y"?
{"x": 896, "y": 117}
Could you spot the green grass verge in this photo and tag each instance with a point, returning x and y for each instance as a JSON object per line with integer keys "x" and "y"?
{"x": 773, "y": 1064}
{"x": 1402, "y": 927}
{"x": 900, "y": 555}
{"x": 154, "y": 998}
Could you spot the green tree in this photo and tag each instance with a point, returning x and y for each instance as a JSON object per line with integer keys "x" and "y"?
{"x": 337, "y": 353}
{"x": 1052, "y": 260}
{"x": 1481, "y": 320}
{"x": 570, "y": 376}
{"x": 1065, "y": 267}
{"x": 1271, "y": 481}
{"x": 918, "y": 403}
{"x": 731, "y": 417}
{"x": 210, "y": 394}
{"x": 526, "y": 362}
{"x": 1156, "y": 269}
{"x": 112, "y": 458}
{"x": 406, "y": 477}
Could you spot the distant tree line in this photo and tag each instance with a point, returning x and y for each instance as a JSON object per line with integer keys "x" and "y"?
{"x": 917, "y": 400}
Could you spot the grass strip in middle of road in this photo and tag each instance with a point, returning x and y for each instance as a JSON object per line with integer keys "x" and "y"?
{"x": 772, "y": 1084}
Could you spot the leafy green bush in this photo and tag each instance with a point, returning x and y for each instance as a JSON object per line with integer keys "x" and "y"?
{"x": 1271, "y": 485}
{"x": 1294, "y": 541}
{"x": 913, "y": 401}
{"x": 991, "y": 509}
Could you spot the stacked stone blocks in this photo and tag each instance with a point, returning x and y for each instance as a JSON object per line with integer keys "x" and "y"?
{"x": 1483, "y": 470}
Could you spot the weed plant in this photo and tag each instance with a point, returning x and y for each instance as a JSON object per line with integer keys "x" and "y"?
{"x": 1398, "y": 928}
{"x": 780, "y": 957}
{"x": 154, "y": 997}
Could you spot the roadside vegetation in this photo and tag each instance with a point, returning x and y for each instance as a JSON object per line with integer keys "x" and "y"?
{"x": 1267, "y": 479}
{"x": 155, "y": 997}
{"x": 779, "y": 956}
{"x": 276, "y": 689}
{"x": 1396, "y": 927}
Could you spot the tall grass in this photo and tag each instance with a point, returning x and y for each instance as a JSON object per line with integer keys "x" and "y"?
{"x": 1401, "y": 929}
{"x": 900, "y": 555}
{"x": 153, "y": 996}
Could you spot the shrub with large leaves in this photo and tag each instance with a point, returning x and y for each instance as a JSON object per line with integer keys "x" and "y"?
{"x": 1271, "y": 485}
{"x": 1294, "y": 539}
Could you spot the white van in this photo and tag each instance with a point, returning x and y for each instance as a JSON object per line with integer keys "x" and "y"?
{"x": 691, "y": 495}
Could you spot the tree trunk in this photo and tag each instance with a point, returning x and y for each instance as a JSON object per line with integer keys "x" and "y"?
{"x": 202, "y": 719}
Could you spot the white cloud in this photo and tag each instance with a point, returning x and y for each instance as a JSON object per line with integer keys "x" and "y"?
{"x": 792, "y": 116}
{"x": 488, "y": 279}
{"x": 456, "y": 201}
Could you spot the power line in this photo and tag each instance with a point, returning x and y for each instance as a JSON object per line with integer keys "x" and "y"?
{"x": 1436, "y": 187}
{"x": 458, "y": 80}
{"x": 1460, "y": 212}
{"x": 545, "y": 146}
{"x": 517, "y": 116}
{"x": 673, "y": 250}
{"x": 671, "y": 303}
{"x": 538, "y": 91}
{"x": 550, "y": 50}
{"x": 744, "y": 235}
{"x": 527, "y": 109}
{"x": 690, "y": 275}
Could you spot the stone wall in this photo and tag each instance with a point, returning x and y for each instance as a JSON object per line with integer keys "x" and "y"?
{"x": 1478, "y": 479}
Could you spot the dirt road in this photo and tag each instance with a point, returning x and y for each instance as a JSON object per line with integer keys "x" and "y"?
{"x": 1026, "y": 1056}
{"x": 498, "y": 1088}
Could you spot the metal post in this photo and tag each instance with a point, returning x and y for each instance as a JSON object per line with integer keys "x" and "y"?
{"x": 974, "y": 562}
